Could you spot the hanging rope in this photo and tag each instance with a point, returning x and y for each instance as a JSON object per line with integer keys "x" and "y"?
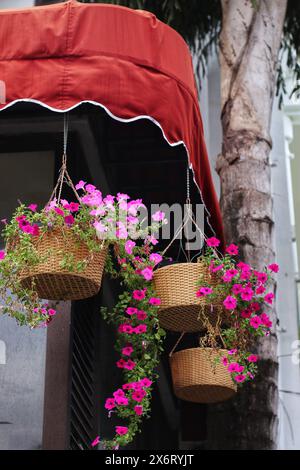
{"x": 63, "y": 176}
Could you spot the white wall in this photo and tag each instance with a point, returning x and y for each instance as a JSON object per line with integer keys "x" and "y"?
{"x": 16, "y": 3}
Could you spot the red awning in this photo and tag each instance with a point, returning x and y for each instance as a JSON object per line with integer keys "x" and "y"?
{"x": 126, "y": 61}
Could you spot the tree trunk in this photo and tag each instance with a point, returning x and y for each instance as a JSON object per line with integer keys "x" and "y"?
{"x": 249, "y": 46}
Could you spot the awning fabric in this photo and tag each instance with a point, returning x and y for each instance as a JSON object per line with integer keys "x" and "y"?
{"x": 126, "y": 61}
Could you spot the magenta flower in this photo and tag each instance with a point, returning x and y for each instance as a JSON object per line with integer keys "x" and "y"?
{"x": 147, "y": 273}
{"x": 203, "y": 291}
{"x": 261, "y": 277}
{"x": 141, "y": 315}
{"x": 51, "y": 312}
{"x": 155, "y": 258}
{"x": 252, "y": 358}
{"x": 73, "y": 207}
{"x": 230, "y": 303}
{"x": 80, "y": 185}
{"x": 266, "y": 320}
{"x": 213, "y": 242}
{"x": 129, "y": 245}
{"x": 237, "y": 289}
{"x": 127, "y": 386}
{"x": 260, "y": 290}
{"x": 255, "y": 322}
{"x": 246, "y": 313}
{"x": 269, "y": 298}
{"x": 110, "y": 404}
{"x": 138, "y": 410}
{"x": 158, "y": 216}
{"x": 2, "y": 254}
{"x": 121, "y": 430}
{"x": 125, "y": 328}
{"x": 32, "y": 207}
{"x": 273, "y": 267}
{"x": 119, "y": 393}
{"x": 247, "y": 293}
{"x": 139, "y": 294}
{"x": 232, "y": 249}
{"x": 154, "y": 301}
{"x": 240, "y": 378}
{"x": 69, "y": 220}
{"x": 233, "y": 367}
{"x": 224, "y": 361}
{"x": 231, "y": 352}
{"x": 59, "y": 211}
{"x": 90, "y": 188}
{"x": 127, "y": 350}
{"x": 214, "y": 268}
{"x": 146, "y": 382}
{"x": 138, "y": 395}
{"x": 121, "y": 363}
{"x": 140, "y": 329}
{"x": 129, "y": 365}
{"x": 122, "y": 401}
{"x": 96, "y": 441}
{"x": 131, "y": 310}
{"x": 35, "y": 231}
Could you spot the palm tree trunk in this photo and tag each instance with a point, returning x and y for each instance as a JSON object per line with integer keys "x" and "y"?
{"x": 249, "y": 46}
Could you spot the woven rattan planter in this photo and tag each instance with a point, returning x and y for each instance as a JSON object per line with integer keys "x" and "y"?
{"x": 196, "y": 378}
{"x": 55, "y": 283}
{"x": 181, "y": 310}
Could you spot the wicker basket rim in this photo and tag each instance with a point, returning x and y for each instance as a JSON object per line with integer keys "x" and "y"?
{"x": 199, "y": 350}
{"x": 175, "y": 265}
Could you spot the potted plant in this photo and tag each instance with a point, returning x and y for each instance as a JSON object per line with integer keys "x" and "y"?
{"x": 202, "y": 374}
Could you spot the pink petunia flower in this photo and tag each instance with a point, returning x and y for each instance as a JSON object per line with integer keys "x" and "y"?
{"x": 260, "y": 290}
{"x": 32, "y": 207}
{"x": 2, "y": 254}
{"x": 158, "y": 216}
{"x": 230, "y": 303}
{"x": 129, "y": 245}
{"x": 110, "y": 404}
{"x": 138, "y": 395}
{"x": 140, "y": 329}
{"x": 128, "y": 386}
{"x": 147, "y": 273}
{"x": 261, "y": 277}
{"x": 213, "y": 242}
{"x": 265, "y": 319}
{"x": 121, "y": 430}
{"x": 122, "y": 401}
{"x": 141, "y": 315}
{"x": 139, "y": 294}
{"x": 237, "y": 289}
{"x": 129, "y": 365}
{"x": 252, "y": 358}
{"x": 73, "y": 207}
{"x": 59, "y": 211}
{"x": 232, "y": 249}
{"x": 240, "y": 378}
{"x": 269, "y": 298}
{"x": 69, "y": 220}
{"x": 155, "y": 258}
{"x": 203, "y": 291}
{"x": 51, "y": 312}
{"x": 127, "y": 350}
{"x": 80, "y": 185}
{"x": 121, "y": 363}
{"x": 255, "y": 322}
{"x": 231, "y": 352}
{"x": 125, "y": 328}
{"x": 146, "y": 382}
{"x": 273, "y": 267}
{"x": 131, "y": 310}
{"x": 96, "y": 441}
{"x": 224, "y": 361}
{"x": 233, "y": 367}
{"x": 154, "y": 301}
{"x": 213, "y": 268}
{"x": 138, "y": 410}
{"x": 247, "y": 293}
{"x": 246, "y": 313}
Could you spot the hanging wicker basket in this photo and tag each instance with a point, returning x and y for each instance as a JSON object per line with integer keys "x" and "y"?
{"x": 181, "y": 310}
{"x": 53, "y": 282}
{"x": 198, "y": 379}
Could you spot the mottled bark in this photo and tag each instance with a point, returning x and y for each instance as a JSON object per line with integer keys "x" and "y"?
{"x": 249, "y": 45}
